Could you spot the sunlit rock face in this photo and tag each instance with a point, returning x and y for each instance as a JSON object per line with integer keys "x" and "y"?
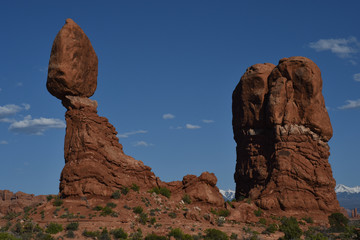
{"x": 282, "y": 129}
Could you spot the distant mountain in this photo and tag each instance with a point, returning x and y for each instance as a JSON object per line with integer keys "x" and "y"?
{"x": 228, "y": 195}
{"x": 349, "y": 197}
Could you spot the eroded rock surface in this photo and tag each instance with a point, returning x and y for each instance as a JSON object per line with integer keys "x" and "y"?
{"x": 281, "y": 128}
{"x": 95, "y": 164}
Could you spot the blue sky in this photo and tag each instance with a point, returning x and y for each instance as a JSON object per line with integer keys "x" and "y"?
{"x": 167, "y": 70}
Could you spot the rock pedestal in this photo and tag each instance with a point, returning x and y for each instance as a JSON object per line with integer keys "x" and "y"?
{"x": 281, "y": 128}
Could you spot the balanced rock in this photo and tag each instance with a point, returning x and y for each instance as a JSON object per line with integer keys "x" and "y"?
{"x": 281, "y": 127}
{"x": 95, "y": 163}
{"x": 73, "y": 65}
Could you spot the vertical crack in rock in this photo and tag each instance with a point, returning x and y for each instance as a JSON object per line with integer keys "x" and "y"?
{"x": 281, "y": 128}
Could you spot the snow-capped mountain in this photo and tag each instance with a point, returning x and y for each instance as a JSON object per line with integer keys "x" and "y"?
{"x": 228, "y": 195}
{"x": 340, "y": 188}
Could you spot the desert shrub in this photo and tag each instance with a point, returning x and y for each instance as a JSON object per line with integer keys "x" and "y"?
{"x": 312, "y": 234}
{"x": 220, "y": 221}
{"x": 179, "y": 235}
{"x": 143, "y": 218}
{"x": 233, "y": 236}
{"x": 7, "y": 236}
{"x": 106, "y": 211}
{"x": 136, "y": 235}
{"x": 6, "y": 227}
{"x": 11, "y": 216}
{"x": 73, "y": 226}
{"x": 57, "y": 202}
{"x": 70, "y": 234}
{"x": 186, "y": 198}
{"x": 111, "y": 205}
{"x": 135, "y": 187}
{"x": 153, "y": 236}
{"x": 152, "y": 221}
{"x": 290, "y": 227}
{"x": 262, "y": 221}
{"x": 98, "y": 208}
{"x": 258, "y": 212}
{"x": 223, "y": 213}
{"x": 161, "y": 190}
{"x": 43, "y": 236}
{"x": 272, "y": 228}
{"x": 308, "y": 219}
{"x": 104, "y": 235}
{"x": 116, "y": 194}
{"x": 119, "y": 233}
{"x": 138, "y": 210}
{"x": 230, "y": 203}
{"x": 49, "y": 197}
{"x": 215, "y": 234}
{"x": 125, "y": 190}
{"x": 338, "y": 222}
{"x": 54, "y": 228}
{"x": 172, "y": 215}
{"x": 91, "y": 234}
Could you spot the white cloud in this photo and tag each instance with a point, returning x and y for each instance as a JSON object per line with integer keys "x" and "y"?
{"x": 127, "y": 134}
{"x": 351, "y": 104}
{"x": 354, "y": 63}
{"x": 357, "y": 77}
{"x": 142, "y": 144}
{"x": 207, "y": 121}
{"x": 190, "y": 126}
{"x": 342, "y": 47}
{"x": 11, "y": 109}
{"x": 3, "y": 142}
{"x": 26, "y": 106}
{"x": 35, "y": 126}
{"x": 168, "y": 116}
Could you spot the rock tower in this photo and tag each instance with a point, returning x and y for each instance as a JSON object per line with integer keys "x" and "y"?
{"x": 282, "y": 128}
{"x": 95, "y": 164}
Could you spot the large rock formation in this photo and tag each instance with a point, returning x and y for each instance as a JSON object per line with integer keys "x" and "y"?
{"x": 95, "y": 164}
{"x": 281, "y": 128}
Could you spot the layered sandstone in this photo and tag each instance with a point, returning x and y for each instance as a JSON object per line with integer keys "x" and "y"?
{"x": 95, "y": 163}
{"x": 281, "y": 127}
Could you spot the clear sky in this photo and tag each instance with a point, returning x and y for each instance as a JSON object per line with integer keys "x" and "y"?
{"x": 167, "y": 70}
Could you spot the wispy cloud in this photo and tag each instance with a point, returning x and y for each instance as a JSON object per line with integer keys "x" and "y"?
{"x": 0, "y": 89}
{"x": 176, "y": 128}
{"x": 9, "y": 110}
{"x": 342, "y": 47}
{"x": 127, "y": 134}
{"x": 3, "y": 142}
{"x": 351, "y": 104}
{"x": 142, "y": 144}
{"x": 19, "y": 84}
{"x": 35, "y": 126}
{"x": 190, "y": 126}
{"x": 207, "y": 121}
{"x": 356, "y": 77}
{"x": 168, "y": 116}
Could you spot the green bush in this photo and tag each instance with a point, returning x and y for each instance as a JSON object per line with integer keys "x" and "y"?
{"x": 54, "y": 228}
{"x": 70, "y": 234}
{"x": 290, "y": 227}
{"x": 233, "y": 236}
{"x": 338, "y": 222}
{"x": 262, "y": 221}
{"x": 153, "y": 236}
{"x": 215, "y": 234}
{"x": 135, "y": 187}
{"x": 161, "y": 190}
{"x": 143, "y": 218}
{"x": 223, "y": 213}
{"x": 73, "y": 226}
{"x": 104, "y": 235}
{"x": 258, "y": 212}
{"x": 272, "y": 228}
{"x": 49, "y": 197}
{"x": 7, "y": 236}
{"x": 138, "y": 210}
{"x": 186, "y": 198}
{"x": 43, "y": 236}
{"x": 57, "y": 202}
{"x": 312, "y": 234}
{"x": 308, "y": 219}
{"x": 111, "y": 205}
{"x": 125, "y": 190}
{"x": 172, "y": 215}
{"x": 179, "y": 235}
{"x": 119, "y": 233}
{"x": 116, "y": 194}
{"x": 106, "y": 211}
{"x": 98, "y": 208}
{"x": 91, "y": 234}
{"x": 136, "y": 235}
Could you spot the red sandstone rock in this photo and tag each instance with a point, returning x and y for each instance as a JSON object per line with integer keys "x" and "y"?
{"x": 95, "y": 164}
{"x": 281, "y": 128}
{"x": 73, "y": 65}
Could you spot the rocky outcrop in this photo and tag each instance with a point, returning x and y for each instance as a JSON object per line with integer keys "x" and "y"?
{"x": 281, "y": 128}
{"x": 95, "y": 163}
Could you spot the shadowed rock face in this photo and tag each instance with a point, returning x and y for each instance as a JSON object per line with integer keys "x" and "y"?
{"x": 281, "y": 128}
{"x": 95, "y": 164}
